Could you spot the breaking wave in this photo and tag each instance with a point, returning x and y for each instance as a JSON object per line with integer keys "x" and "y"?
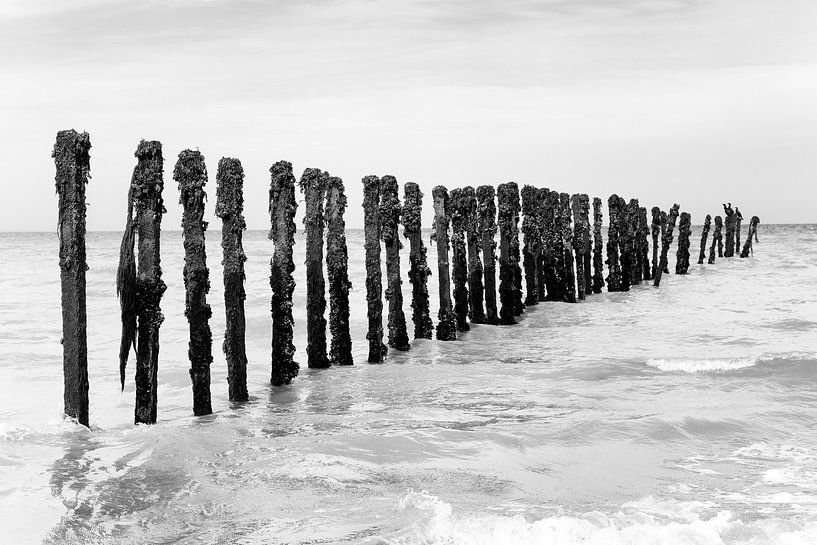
{"x": 694, "y": 365}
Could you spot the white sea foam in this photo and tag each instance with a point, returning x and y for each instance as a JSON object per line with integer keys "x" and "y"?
{"x": 700, "y": 365}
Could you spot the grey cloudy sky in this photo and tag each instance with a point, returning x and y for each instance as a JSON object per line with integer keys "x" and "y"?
{"x": 692, "y": 101}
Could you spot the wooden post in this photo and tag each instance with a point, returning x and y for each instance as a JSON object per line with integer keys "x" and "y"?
{"x": 337, "y": 268}
{"x": 580, "y": 203}
{"x": 541, "y": 258}
{"x": 729, "y": 224}
{"x": 419, "y": 271}
{"x": 614, "y": 275}
{"x": 569, "y": 275}
{"x": 459, "y": 221}
{"x": 374, "y": 283}
{"x": 73, "y": 166}
{"x": 282, "y": 208}
{"x": 447, "y": 325}
{"x": 230, "y": 208}
{"x": 717, "y": 238}
{"x": 625, "y": 244}
{"x": 644, "y": 233}
{"x": 486, "y": 227}
{"x": 666, "y": 241}
{"x": 552, "y": 250}
{"x": 634, "y": 244}
{"x": 664, "y": 221}
{"x": 657, "y": 227}
{"x": 682, "y": 255}
{"x": 390, "y": 211}
{"x": 738, "y": 220}
{"x": 531, "y": 250}
{"x": 704, "y": 236}
{"x": 475, "y": 288}
{"x": 747, "y": 246}
{"x": 313, "y": 186}
{"x": 191, "y": 175}
{"x": 519, "y": 304}
{"x": 598, "y": 245}
{"x": 508, "y": 209}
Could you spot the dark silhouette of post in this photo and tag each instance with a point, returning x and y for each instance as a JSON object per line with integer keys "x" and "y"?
{"x": 657, "y": 228}
{"x": 704, "y": 237}
{"x": 447, "y": 324}
{"x": 729, "y": 225}
{"x": 476, "y": 292}
{"x": 313, "y": 186}
{"x": 519, "y": 304}
{"x": 282, "y": 208}
{"x": 666, "y": 241}
{"x": 738, "y": 220}
{"x": 230, "y": 208}
{"x": 580, "y": 203}
{"x": 191, "y": 175}
{"x": 459, "y": 220}
{"x": 569, "y": 274}
{"x": 747, "y": 246}
{"x": 682, "y": 255}
{"x": 531, "y": 229}
{"x": 541, "y": 259}
{"x": 486, "y": 227}
{"x": 73, "y": 165}
{"x": 644, "y": 233}
{"x": 634, "y": 244}
{"x": 508, "y": 201}
{"x": 664, "y": 221}
{"x": 717, "y": 240}
{"x": 374, "y": 283}
{"x": 552, "y": 249}
{"x": 625, "y": 243}
{"x": 419, "y": 271}
{"x": 598, "y": 245}
{"x": 614, "y": 272}
{"x": 390, "y": 211}
{"x": 337, "y": 268}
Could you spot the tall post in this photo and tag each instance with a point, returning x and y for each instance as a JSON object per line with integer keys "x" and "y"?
{"x": 682, "y": 255}
{"x": 447, "y": 325}
{"x": 552, "y": 250}
{"x": 567, "y": 244}
{"x": 419, "y": 271}
{"x": 459, "y": 221}
{"x": 738, "y": 221}
{"x": 614, "y": 276}
{"x": 644, "y": 233}
{"x": 634, "y": 246}
{"x": 531, "y": 250}
{"x": 313, "y": 186}
{"x": 541, "y": 258}
{"x": 598, "y": 244}
{"x": 230, "y": 208}
{"x": 374, "y": 283}
{"x": 337, "y": 268}
{"x": 666, "y": 241}
{"x": 475, "y": 289}
{"x": 390, "y": 211}
{"x": 191, "y": 175}
{"x": 717, "y": 239}
{"x": 656, "y": 232}
{"x": 282, "y": 208}
{"x": 664, "y": 224}
{"x": 519, "y": 304}
{"x": 73, "y": 166}
{"x": 486, "y": 227}
{"x": 580, "y": 203}
{"x": 625, "y": 243}
{"x": 729, "y": 224}
{"x": 747, "y": 246}
{"x": 704, "y": 236}
{"x": 505, "y": 219}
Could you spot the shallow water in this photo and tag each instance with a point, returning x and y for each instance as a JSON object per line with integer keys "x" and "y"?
{"x": 675, "y": 415}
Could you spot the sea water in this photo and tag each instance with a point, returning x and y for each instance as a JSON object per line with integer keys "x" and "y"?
{"x": 684, "y": 414}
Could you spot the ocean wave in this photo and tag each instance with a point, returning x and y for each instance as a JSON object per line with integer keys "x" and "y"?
{"x": 700, "y": 365}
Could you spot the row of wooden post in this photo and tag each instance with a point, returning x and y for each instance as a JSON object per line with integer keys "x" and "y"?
{"x": 561, "y": 259}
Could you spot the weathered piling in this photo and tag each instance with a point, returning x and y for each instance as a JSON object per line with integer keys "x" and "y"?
{"x": 419, "y": 270}
{"x": 72, "y": 162}
{"x": 508, "y": 201}
{"x": 531, "y": 250}
{"x": 729, "y": 225}
{"x": 614, "y": 272}
{"x": 390, "y": 211}
{"x": 518, "y": 300}
{"x": 682, "y": 255}
{"x": 337, "y": 272}
{"x": 541, "y": 260}
{"x": 664, "y": 221}
{"x": 140, "y": 287}
{"x": 666, "y": 241}
{"x": 313, "y": 186}
{"x": 552, "y": 247}
{"x": 459, "y": 220}
{"x": 282, "y": 208}
{"x": 476, "y": 291}
{"x": 644, "y": 244}
{"x": 374, "y": 283}
{"x": 191, "y": 175}
{"x": 717, "y": 240}
{"x": 230, "y": 208}
{"x": 656, "y": 229}
{"x": 738, "y": 220}
{"x": 747, "y": 246}
{"x": 704, "y": 236}
{"x": 569, "y": 274}
{"x": 486, "y": 226}
{"x": 447, "y": 324}
{"x": 580, "y": 203}
{"x": 630, "y": 269}
{"x": 598, "y": 244}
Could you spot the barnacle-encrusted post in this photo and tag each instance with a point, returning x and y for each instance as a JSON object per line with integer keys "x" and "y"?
{"x": 717, "y": 240}
{"x": 141, "y": 287}
{"x": 704, "y": 236}
{"x": 519, "y": 304}
{"x": 476, "y": 291}
{"x": 486, "y": 226}
{"x": 374, "y": 283}
{"x": 72, "y": 162}
{"x": 554, "y": 248}
{"x": 644, "y": 244}
{"x": 682, "y": 255}
{"x": 313, "y": 186}
{"x": 656, "y": 228}
{"x": 337, "y": 269}
{"x": 666, "y": 241}
{"x": 541, "y": 259}
{"x": 447, "y": 325}
{"x": 390, "y": 211}
{"x": 569, "y": 275}
{"x": 419, "y": 270}
{"x": 191, "y": 175}
{"x": 459, "y": 221}
{"x": 625, "y": 244}
{"x": 230, "y": 208}
{"x": 614, "y": 274}
{"x": 729, "y": 224}
{"x": 738, "y": 220}
{"x": 531, "y": 250}
{"x": 282, "y": 208}
{"x": 580, "y": 203}
{"x": 633, "y": 244}
{"x": 747, "y": 246}
{"x": 598, "y": 245}
{"x": 507, "y": 198}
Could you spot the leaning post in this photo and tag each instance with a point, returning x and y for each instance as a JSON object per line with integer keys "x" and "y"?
{"x": 747, "y": 246}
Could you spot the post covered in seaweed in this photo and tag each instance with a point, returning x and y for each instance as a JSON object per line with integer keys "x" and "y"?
{"x": 508, "y": 201}
{"x": 704, "y": 237}
{"x": 337, "y": 269}
{"x": 531, "y": 229}
{"x": 73, "y": 166}
{"x": 313, "y": 186}
{"x": 230, "y": 208}
{"x": 519, "y": 304}
{"x": 747, "y": 246}
{"x": 447, "y": 324}
{"x": 598, "y": 244}
{"x": 140, "y": 286}
{"x": 682, "y": 255}
{"x": 459, "y": 220}
{"x": 666, "y": 241}
{"x": 419, "y": 270}
{"x": 191, "y": 175}
{"x": 552, "y": 250}
{"x": 656, "y": 232}
{"x": 486, "y": 227}
{"x": 643, "y": 234}
{"x": 476, "y": 292}
{"x": 390, "y": 211}
{"x": 730, "y": 225}
{"x": 614, "y": 272}
{"x": 541, "y": 258}
{"x": 374, "y": 282}
{"x": 580, "y": 204}
{"x": 282, "y": 208}
{"x": 717, "y": 240}
{"x": 569, "y": 275}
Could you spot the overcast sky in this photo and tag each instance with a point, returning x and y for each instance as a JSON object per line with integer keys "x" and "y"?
{"x": 689, "y": 101}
